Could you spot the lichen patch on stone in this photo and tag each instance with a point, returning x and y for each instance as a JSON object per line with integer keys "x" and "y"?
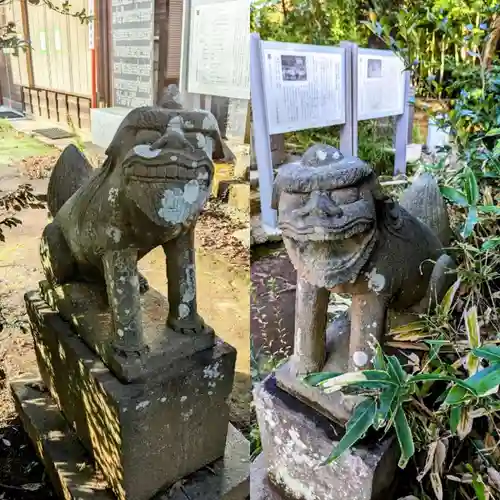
{"x": 145, "y": 151}
{"x": 376, "y": 281}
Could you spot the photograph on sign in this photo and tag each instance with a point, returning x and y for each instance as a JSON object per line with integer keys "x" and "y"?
{"x": 218, "y": 55}
{"x": 303, "y": 85}
{"x": 381, "y": 84}
{"x": 132, "y": 35}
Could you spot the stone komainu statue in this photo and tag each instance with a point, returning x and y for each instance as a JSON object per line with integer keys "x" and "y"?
{"x": 343, "y": 234}
{"x": 149, "y": 192}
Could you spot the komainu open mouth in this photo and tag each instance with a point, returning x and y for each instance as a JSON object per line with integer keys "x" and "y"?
{"x": 167, "y": 165}
{"x": 169, "y": 172}
{"x": 326, "y": 232}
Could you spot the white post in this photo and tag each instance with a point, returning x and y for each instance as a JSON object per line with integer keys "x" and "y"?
{"x": 401, "y": 139}
{"x": 348, "y": 131}
{"x": 261, "y": 139}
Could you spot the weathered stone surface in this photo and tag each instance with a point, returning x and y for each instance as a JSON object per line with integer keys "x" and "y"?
{"x": 239, "y": 197}
{"x": 149, "y": 193}
{"x": 73, "y": 475}
{"x": 144, "y": 436}
{"x": 228, "y": 479}
{"x": 424, "y": 201}
{"x": 296, "y": 440}
{"x": 85, "y": 307}
{"x": 260, "y": 487}
{"x": 344, "y": 235}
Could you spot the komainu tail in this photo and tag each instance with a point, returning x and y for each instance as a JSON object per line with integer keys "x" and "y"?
{"x": 424, "y": 201}
{"x": 71, "y": 171}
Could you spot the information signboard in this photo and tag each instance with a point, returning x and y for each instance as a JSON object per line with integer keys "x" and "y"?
{"x": 304, "y": 86}
{"x": 218, "y": 53}
{"x": 381, "y": 84}
{"x": 133, "y": 39}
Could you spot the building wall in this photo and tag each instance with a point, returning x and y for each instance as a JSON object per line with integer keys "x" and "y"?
{"x": 61, "y": 55}
{"x": 13, "y": 68}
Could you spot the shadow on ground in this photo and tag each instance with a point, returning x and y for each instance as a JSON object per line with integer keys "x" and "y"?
{"x": 22, "y": 476}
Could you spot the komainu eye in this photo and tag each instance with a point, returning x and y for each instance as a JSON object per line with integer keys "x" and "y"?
{"x": 147, "y": 137}
{"x": 344, "y": 196}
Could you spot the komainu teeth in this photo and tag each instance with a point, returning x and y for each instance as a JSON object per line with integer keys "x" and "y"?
{"x": 168, "y": 172}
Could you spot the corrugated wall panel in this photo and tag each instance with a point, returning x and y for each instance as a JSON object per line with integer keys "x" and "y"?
{"x": 61, "y": 55}
{"x": 174, "y": 39}
{"x": 39, "y": 41}
{"x": 19, "y": 67}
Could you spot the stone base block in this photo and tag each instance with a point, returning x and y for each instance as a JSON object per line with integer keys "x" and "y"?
{"x": 260, "y": 487}
{"x": 296, "y": 440}
{"x": 85, "y": 306}
{"x": 104, "y": 123}
{"x": 74, "y": 477}
{"x": 143, "y": 436}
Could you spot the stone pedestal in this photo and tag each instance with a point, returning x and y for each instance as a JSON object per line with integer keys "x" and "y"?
{"x": 74, "y": 476}
{"x": 296, "y": 440}
{"x": 146, "y": 435}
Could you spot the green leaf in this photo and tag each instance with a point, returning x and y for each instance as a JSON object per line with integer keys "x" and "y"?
{"x": 379, "y": 359}
{"x": 449, "y": 297}
{"x": 454, "y": 195}
{"x": 456, "y": 395}
{"x": 395, "y": 370}
{"x": 482, "y": 383}
{"x": 491, "y": 244}
{"x": 472, "y": 327}
{"x": 359, "y": 423}
{"x": 471, "y": 187}
{"x": 490, "y": 352}
{"x": 489, "y": 209}
{"x": 414, "y": 326}
{"x": 485, "y": 380}
{"x": 455, "y": 414}
{"x": 386, "y": 399}
{"x": 428, "y": 377}
{"x": 479, "y": 487}
{"x": 365, "y": 378}
{"x": 435, "y": 347}
{"x": 316, "y": 379}
{"x": 493, "y": 132}
{"x": 470, "y": 222}
{"x": 405, "y": 438}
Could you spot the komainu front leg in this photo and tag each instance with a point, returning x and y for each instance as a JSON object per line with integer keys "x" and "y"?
{"x": 181, "y": 276}
{"x": 311, "y": 308}
{"x": 368, "y": 324}
{"x": 122, "y": 284}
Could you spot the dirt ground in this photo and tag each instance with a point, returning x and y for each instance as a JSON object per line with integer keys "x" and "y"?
{"x": 223, "y": 291}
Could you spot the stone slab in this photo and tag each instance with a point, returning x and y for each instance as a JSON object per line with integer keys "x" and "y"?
{"x": 85, "y": 306}
{"x": 296, "y": 440}
{"x": 104, "y": 123}
{"x": 260, "y": 487}
{"x": 170, "y": 425}
{"x": 74, "y": 477}
{"x": 239, "y": 197}
{"x": 335, "y": 406}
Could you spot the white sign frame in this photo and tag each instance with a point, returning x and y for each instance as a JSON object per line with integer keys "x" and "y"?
{"x": 380, "y": 55}
{"x": 189, "y": 59}
{"x": 307, "y": 52}
{"x": 263, "y": 127}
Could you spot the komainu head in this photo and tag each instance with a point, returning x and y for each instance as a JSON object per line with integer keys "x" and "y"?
{"x": 327, "y": 207}
{"x": 161, "y": 160}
